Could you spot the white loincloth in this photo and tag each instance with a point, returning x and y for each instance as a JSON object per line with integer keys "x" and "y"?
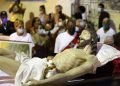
{"x": 107, "y": 53}
{"x": 31, "y": 69}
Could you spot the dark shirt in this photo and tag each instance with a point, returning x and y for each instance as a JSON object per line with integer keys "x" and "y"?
{"x": 78, "y": 15}
{"x": 62, "y": 16}
{"x": 7, "y": 29}
{"x": 103, "y": 15}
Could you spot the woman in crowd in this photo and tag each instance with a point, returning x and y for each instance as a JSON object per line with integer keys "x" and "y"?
{"x": 43, "y": 16}
{"x": 20, "y": 34}
{"x": 39, "y": 36}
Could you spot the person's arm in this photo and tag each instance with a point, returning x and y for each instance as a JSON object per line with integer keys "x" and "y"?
{"x": 21, "y": 8}
{"x": 11, "y": 7}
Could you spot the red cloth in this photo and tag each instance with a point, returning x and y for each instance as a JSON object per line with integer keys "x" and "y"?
{"x": 73, "y": 42}
{"x": 116, "y": 64}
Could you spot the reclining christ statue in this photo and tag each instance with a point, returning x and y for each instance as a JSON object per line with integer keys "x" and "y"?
{"x": 65, "y": 66}
{"x": 69, "y": 64}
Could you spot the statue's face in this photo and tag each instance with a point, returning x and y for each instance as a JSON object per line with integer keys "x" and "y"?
{"x": 85, "y": 35}
{"x": 85, "y": 41}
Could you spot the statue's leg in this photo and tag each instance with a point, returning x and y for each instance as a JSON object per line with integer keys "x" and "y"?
{"x": 8, "y": 65}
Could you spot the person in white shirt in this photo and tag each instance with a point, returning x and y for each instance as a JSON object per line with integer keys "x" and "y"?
{"x": 65, "y": 38}
{"x": 20, "y": 34}
{"x": 105, "y": 31}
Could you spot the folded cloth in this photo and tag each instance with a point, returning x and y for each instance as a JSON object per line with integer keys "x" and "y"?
{"x": 7, "y": 84}
{"x": 6, "y": 80}
{"x": 31, "y": 69}
{"x": 107, "y": 53}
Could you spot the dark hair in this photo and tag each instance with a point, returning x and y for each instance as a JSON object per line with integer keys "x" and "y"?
{"x": 82, "y": 9}
{"x": 59, "y": 6}
{"x": 18, "y": 20}
{"x": 116, "y": 38}
{"x": 34, "y": 20}
{"x": 43, "y": 8}
{"x": 101, "y": 5}
{"x": 3, "y": 13}
{"x": 70, "y": 28}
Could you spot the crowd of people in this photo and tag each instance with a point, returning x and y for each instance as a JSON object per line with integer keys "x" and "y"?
{"x": 51, "y": 34}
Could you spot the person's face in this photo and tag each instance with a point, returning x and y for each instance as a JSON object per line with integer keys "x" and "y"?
{"x": 19, "y": 26}
{"x": 48, "y": 26}
{"x": 57, "y": 9}
{"x": 106, "y": 25}
{"x": 37, "y": 23}
{"x": 80, "y": 25}
{"x": 41, "y": 10}
{"x": 31, "y": 16}
{"x": 100, "y": 9}
{"x": 71, "y": 28}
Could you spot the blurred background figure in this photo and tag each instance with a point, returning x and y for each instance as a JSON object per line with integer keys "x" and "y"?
{"x": 28, "y": 24}
{"x": 6, "y": 26}
{"x": 65, "y": 39}
{"x": 40, "y": 38}
{"x": 81, "y": 13}
{"x": 105, "y": 30}
{"x": 58, "y": 14}
{"x": 43, "y": 16}
{"x": 102, "y": 14}
{"x": 17, "y": 11}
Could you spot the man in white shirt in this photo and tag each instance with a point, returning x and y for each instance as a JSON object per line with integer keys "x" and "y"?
{"x": 105, "y": 31}
{"x": 20, "y": 34}
{"x": 70, "y": 38}
{"x": 63, "y": 39}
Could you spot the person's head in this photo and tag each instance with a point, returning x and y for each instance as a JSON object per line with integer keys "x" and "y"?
{"x": 81, "y": 9}
{"x": 36, "y": 22}
{"x": 48, "y": 25}
{"x": 31, "y": 15}
{"x": 85, "y": 38}
{"x": 19, "y": 26}
{"x": 109, "y": 40}
{"x": 3, "y": 16}
{"x": 106, "y": 23}
{"x": 101, "y": 7}
{"x": 80, "y": 24}
{"x": 58, "y": 9}
{"x": 42, "y": 9}
{"x": 70, "y": 27}
{"x": 116, "y": 38}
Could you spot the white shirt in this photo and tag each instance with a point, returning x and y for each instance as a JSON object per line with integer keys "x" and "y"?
{"x": 62, "y": 41}
{"x": 102, "y": 35}
{"x": 24, "y": 38}
{"x": 84, "y": 16}
{"x": 107, "y": 53}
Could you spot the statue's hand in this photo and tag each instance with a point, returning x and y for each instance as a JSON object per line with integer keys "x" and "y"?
{"x": 32, "y": 83}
